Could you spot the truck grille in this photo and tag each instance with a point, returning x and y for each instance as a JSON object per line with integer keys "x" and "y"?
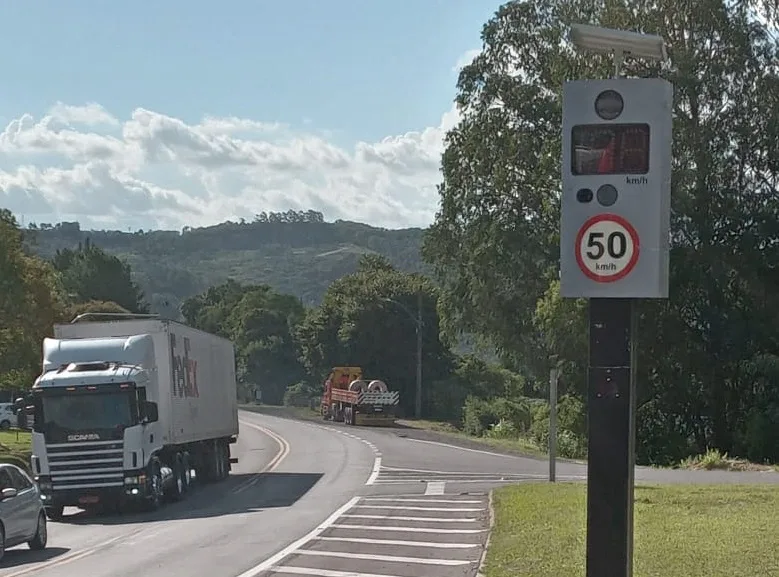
{"x": 86, "y": 465}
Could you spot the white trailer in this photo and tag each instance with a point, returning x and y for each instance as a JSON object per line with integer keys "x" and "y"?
{"x": 131, "y": 411}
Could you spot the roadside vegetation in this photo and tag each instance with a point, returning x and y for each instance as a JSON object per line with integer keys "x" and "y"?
{"x": 15, "y": 448}
{"x": 694, "y": 531}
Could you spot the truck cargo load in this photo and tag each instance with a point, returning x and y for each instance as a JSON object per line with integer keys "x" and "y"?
{"x": 130, "y": 412}
{"x": 354, "y": 401}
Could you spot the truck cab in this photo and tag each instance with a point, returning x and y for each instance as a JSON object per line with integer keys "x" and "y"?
{"x": 94, "y": 425}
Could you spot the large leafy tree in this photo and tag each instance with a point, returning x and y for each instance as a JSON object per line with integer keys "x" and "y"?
{"x": 705, "y": 377}
{"x": 262, "y": 323}
{"x": 368, "y": 319}
{"x": 90, "y": 274}
{"x": 31, "y": 301}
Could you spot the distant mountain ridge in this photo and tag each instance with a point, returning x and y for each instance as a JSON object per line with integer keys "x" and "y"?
{"x": 293, "y": 252}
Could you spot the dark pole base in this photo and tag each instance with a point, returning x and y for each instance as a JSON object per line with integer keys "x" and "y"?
{"x": 611, "y": 449}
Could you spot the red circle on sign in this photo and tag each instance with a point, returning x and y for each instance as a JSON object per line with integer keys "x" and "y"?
{"x": 631, "y": 264}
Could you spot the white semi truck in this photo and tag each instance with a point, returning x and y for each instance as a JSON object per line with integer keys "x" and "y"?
{"x": 131, "y": 412}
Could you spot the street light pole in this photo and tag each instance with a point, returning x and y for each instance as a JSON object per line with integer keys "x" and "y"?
{"x": 418, "y": 404}
{"x": 418, "y": 325}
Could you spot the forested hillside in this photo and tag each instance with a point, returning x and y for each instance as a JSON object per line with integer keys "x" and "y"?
{"x": 294, "y": 252}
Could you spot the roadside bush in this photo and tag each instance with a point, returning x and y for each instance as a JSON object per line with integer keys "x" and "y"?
{"x": 300, "y": 394}
{"x": 571, "y": 430}
{"x": 479, "y": 415}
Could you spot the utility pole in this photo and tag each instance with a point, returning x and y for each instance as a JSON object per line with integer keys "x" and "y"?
{"x": 418, "y": 404}
{"x": 418, "y": 325}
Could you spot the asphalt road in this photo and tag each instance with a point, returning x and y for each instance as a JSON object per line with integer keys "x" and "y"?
{"x": 322, "y": 500}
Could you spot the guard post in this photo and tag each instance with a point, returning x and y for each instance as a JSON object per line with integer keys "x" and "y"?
{"x": 614, "y": 249}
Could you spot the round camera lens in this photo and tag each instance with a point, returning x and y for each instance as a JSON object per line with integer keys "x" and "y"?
{"x": 609, "y": 104}
{"x": 607, "y": 195}
{"x": 584, "y": 195}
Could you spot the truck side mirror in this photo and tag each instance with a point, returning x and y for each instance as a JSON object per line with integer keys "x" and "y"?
{"x": 149, "y": 413}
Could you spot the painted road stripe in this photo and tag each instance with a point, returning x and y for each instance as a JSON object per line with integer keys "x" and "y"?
{"x": 375, "y": 472}
{"x": 435, "y": 488}
{"x": 326, "y": 572}
{"x": 389, "y": 558}
{"x": 292, "y": 547}
{"x": 414, "y": 508}
{"x": 403, "y": 530}
{"x": 401, "y": 543}
{"x": 430, "y": 519}
{"x": 397, "y": 500}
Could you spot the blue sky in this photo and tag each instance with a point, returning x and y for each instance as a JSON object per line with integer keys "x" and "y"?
{"x": 362, "y": 68}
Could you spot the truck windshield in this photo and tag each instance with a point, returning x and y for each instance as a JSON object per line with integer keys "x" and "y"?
{"x": 105, "y": 413}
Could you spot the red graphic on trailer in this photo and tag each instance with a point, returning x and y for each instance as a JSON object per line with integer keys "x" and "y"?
{"x": 607, "y": 248}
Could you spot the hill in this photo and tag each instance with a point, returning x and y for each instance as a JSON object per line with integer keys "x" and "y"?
{"x": 296, "y": 253}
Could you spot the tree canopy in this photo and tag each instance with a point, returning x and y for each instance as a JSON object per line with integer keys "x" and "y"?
{"x": 707, "y": 353}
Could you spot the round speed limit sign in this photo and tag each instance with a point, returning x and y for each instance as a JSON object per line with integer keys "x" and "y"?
{"x": 607, "y": 248}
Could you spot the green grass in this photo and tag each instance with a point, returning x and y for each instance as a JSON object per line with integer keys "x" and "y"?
{"x": 680, "y": 531}
{"x": 15, "y": 447}
{"x": 520, "y": 445}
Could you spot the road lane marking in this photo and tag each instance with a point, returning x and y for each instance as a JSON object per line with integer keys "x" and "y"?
{"x": 401, "y": 543}
{"x": 75, "y": 556}
{"x": 403, "y": 530}
{"x": 494, "y": 454}
{"x": 293, "y": 547}
{"x": 404, "y": 500}
{"x": 282, "y": 453}
{"x": 415, "y": 508}
{"x": 375, "y": 472}
{"x": 390, "y": 558}
{"x": 325, "y": 572}
{"x": 425, "y": 519}
{"x": 435, "y": 488}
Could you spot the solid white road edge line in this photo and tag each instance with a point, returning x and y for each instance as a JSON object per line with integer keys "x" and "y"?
{"x": 375, "y": 472}
{"x": 505, "y": 456}
{"x": 292, "y": 547}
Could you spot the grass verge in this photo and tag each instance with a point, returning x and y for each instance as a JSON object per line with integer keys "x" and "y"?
{"x": 714, "y": 460}
{"x": 690, "y": 531}
{"x": 15, "y": 447}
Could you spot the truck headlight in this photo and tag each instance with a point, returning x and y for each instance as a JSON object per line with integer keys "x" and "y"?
{"x": 137, "y": 480}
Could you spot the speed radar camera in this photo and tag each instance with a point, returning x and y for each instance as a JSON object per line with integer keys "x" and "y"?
{"x": 616, "y": 177}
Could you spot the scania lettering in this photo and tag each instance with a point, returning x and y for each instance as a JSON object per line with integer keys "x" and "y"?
{"x": 128, "y": 413}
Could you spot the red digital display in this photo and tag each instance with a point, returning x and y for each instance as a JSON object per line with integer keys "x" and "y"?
{"x": 610, "y": 149}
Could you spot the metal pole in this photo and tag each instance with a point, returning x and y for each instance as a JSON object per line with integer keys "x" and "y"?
{"x": 418, "y": 404}
{"x": 553, "y": 423}
{"x": 610, "y": 451}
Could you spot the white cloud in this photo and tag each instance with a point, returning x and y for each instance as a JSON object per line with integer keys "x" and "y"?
{"x": 152, "y": 170}
{"x": 466, "y": 59}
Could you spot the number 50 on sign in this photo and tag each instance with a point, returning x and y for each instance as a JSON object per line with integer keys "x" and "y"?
{"x": 607, "y": 248}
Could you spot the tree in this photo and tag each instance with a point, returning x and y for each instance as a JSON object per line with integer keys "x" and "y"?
{"x": 495, "y": 240}
{"x": 90, "y": 274}
{"x": 30, "y": 302}
{"x": 261, "y": 323}
{"x": 368, "y": 319}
